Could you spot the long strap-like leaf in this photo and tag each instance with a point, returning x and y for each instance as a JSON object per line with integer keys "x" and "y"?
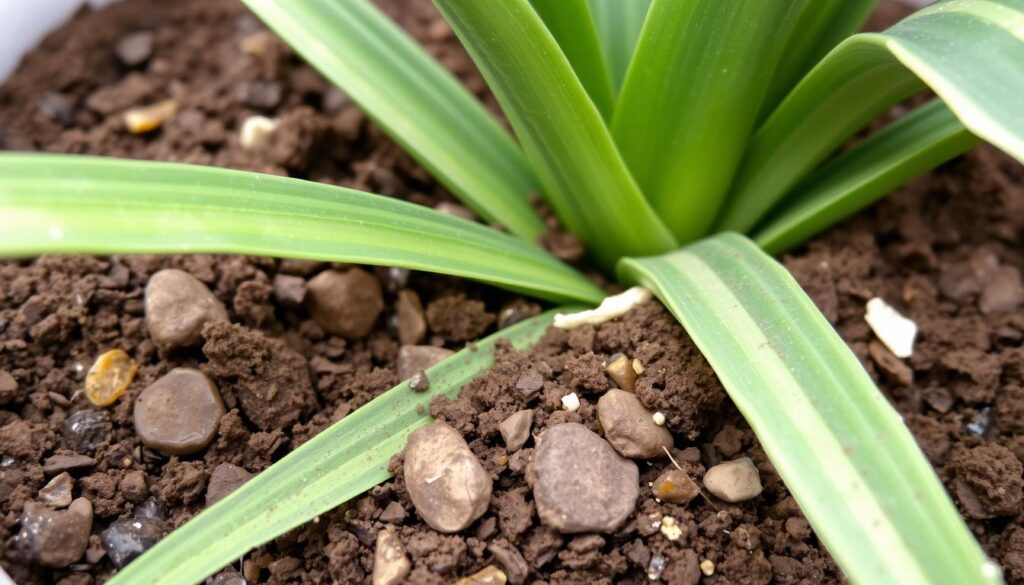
{"x": 417, "y": 102}
{"x": 561, "y": 131}
{"x": 61, "y": 203}
{"x": 970, "y": 52}
{"x": 909, "y": 147}
{"x": 841, "y": 448}
{"x": 345, "y": 460}
{"x": 618, "y": 25}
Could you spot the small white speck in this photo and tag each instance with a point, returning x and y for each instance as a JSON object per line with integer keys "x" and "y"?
{"x": 670, "y": 528}
{"x": 990, "y": 570}
{"x": 56, "y": 233}
{"x": 571, "y": 402}
{"x": 893, "y": 329}
{"x": 659, "y": 418}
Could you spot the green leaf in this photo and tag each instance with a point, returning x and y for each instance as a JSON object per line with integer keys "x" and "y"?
{"x": 61, "y": 203}
{"x": 968, "y": 51}
{"x": 688, "y": 108}
{"x": 561, "y": 131}
{"x": 618, "y": 26}
{"x": 415, "y": 100}
{"x": 909, "y": 147}
{"x": 348, "y": 458}
{"x": 572, "y": 25}
{"x": 842, "y": 450}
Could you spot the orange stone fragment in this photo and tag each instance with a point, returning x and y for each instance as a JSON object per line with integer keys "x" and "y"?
{"x": 109, "y": 377}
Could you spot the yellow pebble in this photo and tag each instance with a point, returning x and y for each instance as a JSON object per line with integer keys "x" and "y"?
{"x": 707, "y": 567}
{"x": 109, "y": 377}
{"x": 148, "y": 118}
{"x": 489, "y": 575}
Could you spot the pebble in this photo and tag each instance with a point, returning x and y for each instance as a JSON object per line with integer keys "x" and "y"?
{"x": 178, "y": 305}
{"x": 85, "y": 429}
{"x": 530, "y": 382}
{"x": 580, "y": 483}
{"x": 228, "y": 577}
{"x": 56, "y": 464}
{"x": 446, "y": 482}
{"x": 135, "y": 49}
{"x": 394, "y": 513}
{"x": 57, "y": 107}
{"x": 263, "y": 94}
{"x": 620, "y": 370}
{"x": 413, "y": 358}
{"x": 126, "y": 539}
{"x": 891, "y": 366}
{"x": 109, "y": 377}
{"x": 55, "y": 538}
{"x": 510, "y": 559}
{"x": 224, "y": 479}
{"x": 57, "y": 493}
{"x": 345, "y": 303}
{"x": 256, "y": 132}
{"x": 412, "y": 325}
{"x": 515, "y": 429}
{"x": 629, "y": 426}
{"x": 419, "y": 381}
{"x": 8, "y": 387}
{"x": 390, "y": 564}
{"x": 289, "y": 290}
{"x": 571, "y": 402}
{"x": 734, "y": 481}
{"x": 489, "y": 575}
{"x": 893, "y": 329}
{"x": 179, "y": 413}
{"x": 707, "y": 566}
{"x": 1003, "y": 293}
{"x": 145, "y": 119}
{"x": 675, "y": 487}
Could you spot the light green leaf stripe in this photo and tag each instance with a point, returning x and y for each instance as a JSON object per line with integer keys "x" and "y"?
{"x": 909, "y": 147}
{"x": 618, "y": 26}
{"x": 415, "y": 100}
{"x": 62, "y": 203}
{"x": 842, "y": 450}
{"x": 348, "y": 458}
{"x": 561, "y": 131}
{"x": 970, "y": 52}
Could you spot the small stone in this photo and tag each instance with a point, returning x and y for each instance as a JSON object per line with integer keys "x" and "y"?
{"x": 728, "y": 441}
{"x": 889, "y": 365}
{"x": 55, "y": 538}
{"x": 516, "y": 312}
{"x": 109, "y": 377}
{"x": 675, "y": 487}
{"x": 412, "y": 324}
{"x": 390, "y": 564}
{"x": 798, "y": 528}
{"x": 893, "y": 329}
{"x": 571, "y": 402}
{"x": 1003, "y": 293}
{"x": 262, "y": 94}
{"x": 707, "y": 566}
{"x": 150, "y": 508}
{"x": 629, "y": 426}
{"x": 516, "y": 568}
{"x": 179, "y": 413}
{"x": 8, "y": 387}
{"x": 489, "y": 575}
{"x": 177, "y": 308}
{"x": 670, "y": 528}
{"x": 256, "y": 132}
{"x": 56, "y": 107}
{"x": 85, "y": 429}
{"x": 224, "y": 479}
{"x": 345, "y": 303}
{"x": 580, "y": 483}
{"x": 530, "y": 382}
{"x": 394, "y": 513}
{"x": 228, "y": 577}
{"x": 289, "y": 290}
{"x": 734, "y": 481}
{"x": 126, "y": 539}
{"x": 656, "y": 567}
{"x": 60, "y": 463}
{"x": 620, "y": 370}
{"x": 446, "y": 482}
{"x": 413, "y": 358}
{"x": 148, "y": 118}
{"x": 515, "y": 429}
{"x": 419, "y": 381}
{"x": 135, "y": 49}
{"x": 57, "y": 493}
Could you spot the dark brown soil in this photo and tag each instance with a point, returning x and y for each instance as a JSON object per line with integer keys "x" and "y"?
{"x": 946, "y": 250}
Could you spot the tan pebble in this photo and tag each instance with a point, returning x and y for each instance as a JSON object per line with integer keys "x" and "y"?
{"x": 109, "y": 377}
{"x": 734, "y": 481}
{"x": 57, "y": 493}
{"x": 148, "y": 118}
{"x": 629, "y": 426}
{"x": 620, "y": 370}
{"x": 707, "y": 567}
{"x": 178, "y": 414}
{"x": 489, "y": 575}
{"x": 675, "y": 487}
{"x": 178, "y": 305}
{"x": 413, "y": 358}
{"x": 390, "y": 564}
{"x": 412, "y": 325}
{"x": 515, "y": 429}
{"x": 346, "y": 303}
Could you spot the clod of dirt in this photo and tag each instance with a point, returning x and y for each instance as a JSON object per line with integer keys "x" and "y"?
{"x": 224, "y": 479}
{"x": 345, "y": 303}
{"x": 419, "y": 381}
{"x": 8, "y": 387}
{"x": 134, "y": 49}
{"x": 413, "y": 358}
{"x": 55, "y": 538}
{"x": 179, "y": 413}
{"x": 620, "y": 369}
{"x": 515, "y": 429}
{"x": 60, "y": 463}
{"x": 57, "y": 493}
{"x": 457, "y": 318}
{"x": 446, "y": 482}
{"x": 530, "y": 382}
{"x": 889, "y": 365}
{"x": 85, "y": 429}
{"x": 289, "y": 290}
{"x": 988, "y": 481}
{"x": 580, "y": 483}
{"x": 390, "y": 564}
{"x": 412, "y": 324}
{"x": 630, "y": 427}
{"x": 1003, "y": 293}
{"x": 734, "y": 481}
{"x": 489, "y": 575}
{"x": 178, "y": 305}
{"x": 675, "y": 487}
{"x": 127, "y": 538}
{"x": 510, "y": 559}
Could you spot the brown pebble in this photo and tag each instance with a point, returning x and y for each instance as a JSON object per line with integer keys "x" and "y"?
{"x": 345, "y": 303}
{"x": 177, "y": 307}
{"x": 489, "y": 575}
{"x": 8, "y": 387}
{"x": 55, "y": 538}
{"x": 413, "y": 358}
{"x": 889, "y": 365}
{"x": 511, "y": 560}
{"x": 224, "y": 479}
{"x": 620, "y": 370}
{"x": 60, "y": 463}
{"x": 390, "y": 564}
{"x": 179, "y": 413}
{"x": 530, "y": 382}
{"x": 728, "y": 441}
{"x": 629, "y": 426}
{"x": 57, "y": 493}
{"x": 419, "y": 381}
{"x": 734, "y": 481}
{"x": 394, "y": 513}
{"x": 798, "y": 527}
{"x": 289, "y": 290}
{"x": 675, "y": 487}
{"x": 135, "y": 49}
{"x": 580, "y": 483}
{"x": 412, "y": 324}
{"x": 446, "y": 482}
{"x": 515, "y": 429}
